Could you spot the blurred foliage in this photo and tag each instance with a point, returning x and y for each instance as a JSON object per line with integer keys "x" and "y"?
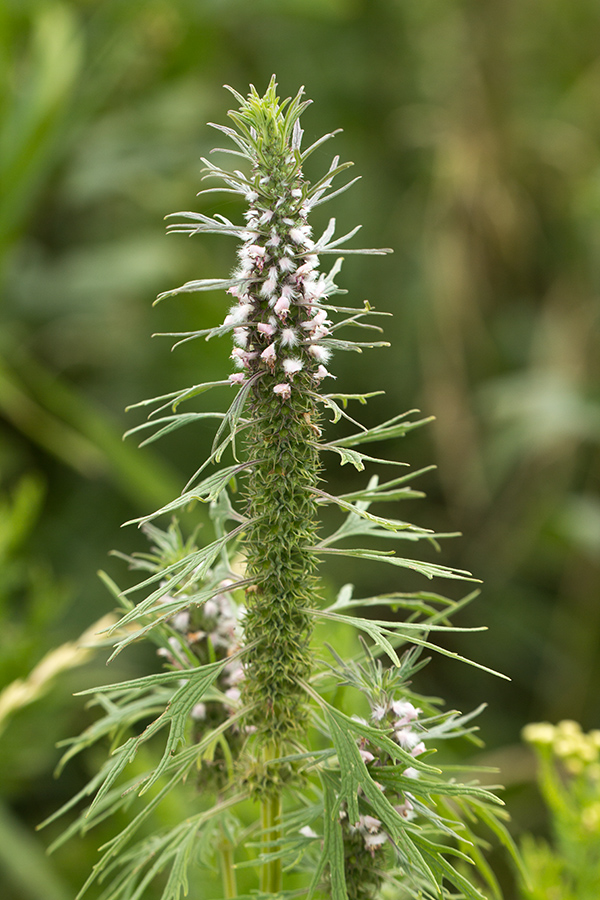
{"x": 569, "y": 781}
{"x": 476, "y": 128}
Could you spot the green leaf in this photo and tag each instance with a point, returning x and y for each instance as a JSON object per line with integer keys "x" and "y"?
{"x": 207, "y": 491}
{"x": 356, "y": 458}
{"x": 430, "y": 570}
{"x": 362, "y": 398}
{"x": 197, "y": 562}
{"x": 173, "y": 422}
{"x": 174, "y": 398}
{"x": 332, "y": 854}
{"x": 393, "y": 428}
{"x": 355, "y": 777}
{"x": 389, "y": 490}
{"x": 359, "y": 510}
{"x": 378, "y": 629}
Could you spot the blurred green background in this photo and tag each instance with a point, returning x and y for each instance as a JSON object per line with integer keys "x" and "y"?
{"x": 475, "y": 126}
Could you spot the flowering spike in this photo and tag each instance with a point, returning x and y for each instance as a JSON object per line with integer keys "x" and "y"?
{"x": 241, "y": 679}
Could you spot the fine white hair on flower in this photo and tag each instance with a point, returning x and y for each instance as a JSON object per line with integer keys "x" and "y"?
{"x": 255, "y": 251}
{"x": 321, "y": 354}
{"x": 292, "y": 366}
{"x": 286, "y": 264}
{"x": 238, "y": 314}
{"x": 315, "y": 290}
{"x": 239, "y": 357}
{"x": 299, "y": 234}
{"x": 269, "y": 285}
{"x": 379, "y": 710}
{"x": 240, "y": 336}
{"x": 288, "y": 337}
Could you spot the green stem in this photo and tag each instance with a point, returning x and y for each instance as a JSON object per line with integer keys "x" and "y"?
{"x": 227, "y": 870}
{"x": 271, "y": 881}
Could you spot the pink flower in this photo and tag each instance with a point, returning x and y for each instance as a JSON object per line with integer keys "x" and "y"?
{"x": 265, "y": 328}
{"x": 283, "y": 390}
{"x": 405, "y": 711}
{"x": 282, "y": 307}
{"x": 311, "y": 262}
{"x": 199, "y": 711}
{"x": 237, "y": 378}
{"x": 322, "y": 373}
{"x": 269, "y": 355}
{"x": 406, "y": 809}
{"x": 372, "y": 841}
{"x": 371, "y": 824}
{"x": 233, "y": 694}
{"x": 256, "y": 253}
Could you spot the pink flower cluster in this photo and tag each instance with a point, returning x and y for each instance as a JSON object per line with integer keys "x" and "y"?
{"x": 278, "y": 325}
{"x": 370, "y": 830}
{"x": 219, "y": 625}
{"x": 402, "y": 716}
